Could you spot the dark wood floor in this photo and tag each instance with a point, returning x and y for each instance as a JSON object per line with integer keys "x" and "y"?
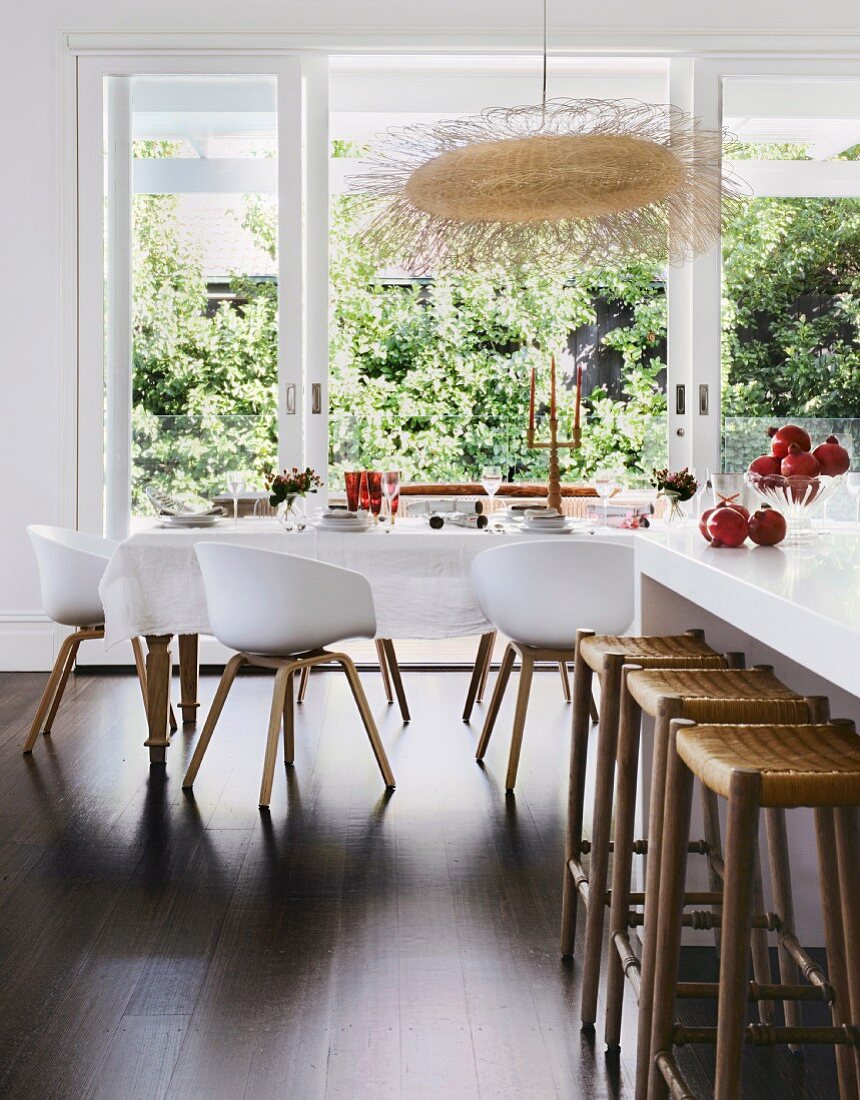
{"x": 344, "y": 945}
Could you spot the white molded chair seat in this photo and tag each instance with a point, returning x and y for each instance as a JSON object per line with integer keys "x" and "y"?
{"x": 280, "y": 611}
{"x": 71, "y": 566}
{"x": 540, "y": 594}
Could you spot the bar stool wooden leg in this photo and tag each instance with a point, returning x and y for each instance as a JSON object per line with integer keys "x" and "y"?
{"x": 479, "y": 673}
{"x": 383, "y": 670}
{"x": 780, "y": 877}
{"x": 834, "y": 936}
{"x": 670, "y": 907}
{"x": 526, "y": 671}
{"x": 741, "y": 846}
{"x": 565, "y": 682}
{"x": 848, "y": 856}
{"x": 626, "y": 773}
{"x": 304, "y": 677}
{"x": 495, "y": 702}
{"x": 582, "y": 681}
{"x": 759, "y": 944}
{"x": 601, "y": 829}
{"x": 711, "y": 819}
{"x": 290, "y": 720}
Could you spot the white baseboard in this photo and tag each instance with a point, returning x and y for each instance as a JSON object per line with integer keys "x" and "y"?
{"x": 28, "y": 642}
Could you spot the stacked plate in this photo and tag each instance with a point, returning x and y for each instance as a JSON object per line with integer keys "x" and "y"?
{"x": 338, "y": 519}
{"x": 183, "y": 520}
{"x": 546, "y": 521}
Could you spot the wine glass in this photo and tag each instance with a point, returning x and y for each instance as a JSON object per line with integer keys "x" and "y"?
{"x": 235, "y": 485}
{"x": 391, "y": 490}
{"x": 491, "y": 479}
{"x": 605, "y": 483}
{"x": 852, "y": 483}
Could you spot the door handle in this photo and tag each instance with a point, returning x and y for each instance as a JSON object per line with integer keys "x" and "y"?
{"x": 680, "y": 400}
{"x": 316, "y": 398}
{"x": 291, "y": 399}
{"x": 704, "y": 401}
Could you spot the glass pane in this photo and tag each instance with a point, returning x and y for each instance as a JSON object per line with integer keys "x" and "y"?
{"x": 431, "y": 375}
{"x": 791, "y": 280}
{"x": 204, "y": 231}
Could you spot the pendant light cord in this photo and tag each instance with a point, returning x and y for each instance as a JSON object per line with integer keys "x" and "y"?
{"x": 543, "y": 88}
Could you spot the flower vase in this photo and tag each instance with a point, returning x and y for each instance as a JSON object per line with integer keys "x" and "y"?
{"x": 674, "y": 515}
{"x": 291, "y": 514}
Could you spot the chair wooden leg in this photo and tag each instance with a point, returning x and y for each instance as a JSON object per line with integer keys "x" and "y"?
{"x": 526, "y": 672}
{"x": 304, "y": 676}
{"x": 221, "y": 693}
{"x": 61, "y": 687}
{"x": 565, "y": 681}
{"x": 626, "y": 774}
{"x": 485, "y": 675}
{"x": 496, "y": 702}
{"x": 290, "y": 720}
{"x": 848, "y": 857}
{"x": 68, "y": 645}
{"x": 759, "y": 944}
{"x": 738, "y": 893}
{"x": 383, "y": 670}
{"x": 834, "y": 938}
{"x": 670, "y": 908}
{"x": 282, "y": 677}
{"x": 600, "y": 835}
{"x": 780, "y": 876}
{"x": 595, "y": 716}
{"x": 482, "y": 664}
{"x": 711, "y": 819}
{"x": 396, "y": 680}
{"x": 367, "y": 719}
{"x": 582, "y": 681}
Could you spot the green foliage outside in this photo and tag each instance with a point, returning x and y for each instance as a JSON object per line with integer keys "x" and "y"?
{"x": 434, "y": 378}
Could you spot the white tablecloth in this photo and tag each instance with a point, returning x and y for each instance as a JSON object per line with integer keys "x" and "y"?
{"x": 420, "y": 577}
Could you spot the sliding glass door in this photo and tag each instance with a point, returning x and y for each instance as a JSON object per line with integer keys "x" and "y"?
{"x": 195, "y": 285}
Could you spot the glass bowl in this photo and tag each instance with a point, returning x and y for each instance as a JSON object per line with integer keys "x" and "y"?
{"x": 797, "y": 498}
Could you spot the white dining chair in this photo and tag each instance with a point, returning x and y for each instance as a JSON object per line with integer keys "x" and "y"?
{"x": 71, "y": 565}
{"x": 280, "y": 611}
{"x": 539, "y": 594}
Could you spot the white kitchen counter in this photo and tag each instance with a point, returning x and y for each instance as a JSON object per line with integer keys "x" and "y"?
{"x": 802, "y": 601}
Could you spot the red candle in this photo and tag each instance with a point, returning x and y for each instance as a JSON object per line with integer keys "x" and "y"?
{"x": 552, "y": 395}
{"x": 532, "y": 404}
{"x": 578, "y": 393}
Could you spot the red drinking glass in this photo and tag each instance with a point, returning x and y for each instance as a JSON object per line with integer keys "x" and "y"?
{"x": 363, "y": 494}
{"x": 374, "y": 490}
{"x": 352, "y": 481}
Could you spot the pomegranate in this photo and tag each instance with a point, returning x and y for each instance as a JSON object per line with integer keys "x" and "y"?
{"x": 782, "y": 438}
{"x": 832, "y": 457}
{"x": 799, "y": 463}
{"x": 703, "y": 523}
{"x": 737, "y": 507}
{"x": 767, "y": 526}
{"x": 727, "y": 527}
{"x": 764, "y": 465}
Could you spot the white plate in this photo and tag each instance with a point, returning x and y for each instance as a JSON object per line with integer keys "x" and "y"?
{"x": 173, "y": 524}
{"x": 321, "y": 525}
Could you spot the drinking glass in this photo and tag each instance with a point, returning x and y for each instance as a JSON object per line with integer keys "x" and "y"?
{"x": 391, "y": 489}
{"x": 852, "y": 483}
{"x": 491, "y": 479}
{"x": 605, "y": 483}
{"x": 363, "y": 493}
{"x": 235, "y": 485}
{"x": 374, "y": 491}
{"x": 352, "y": 483}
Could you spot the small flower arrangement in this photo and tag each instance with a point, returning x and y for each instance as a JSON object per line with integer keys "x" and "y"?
{"x": 681, "y": 483}
{"x": 293, "y": 483}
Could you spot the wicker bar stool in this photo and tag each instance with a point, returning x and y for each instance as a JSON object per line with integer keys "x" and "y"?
{"x": 604, "y": 656}
{"x": 753, "y": 767}
{"x": 712, "y": 695}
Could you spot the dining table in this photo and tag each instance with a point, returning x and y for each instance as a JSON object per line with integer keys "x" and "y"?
{"x": 420, "y": 577}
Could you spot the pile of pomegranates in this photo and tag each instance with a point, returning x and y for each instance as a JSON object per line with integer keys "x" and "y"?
{"x": 791, "y": 455}
{"x": 731, "y": 525}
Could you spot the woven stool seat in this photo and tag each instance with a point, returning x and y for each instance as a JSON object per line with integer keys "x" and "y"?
{"x": 717, "y": 690}
{"x": 799, "y": 765}
{"x": 677, "y": 651}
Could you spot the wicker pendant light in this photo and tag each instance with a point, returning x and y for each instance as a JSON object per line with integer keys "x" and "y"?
{"x": 572, "y": 182}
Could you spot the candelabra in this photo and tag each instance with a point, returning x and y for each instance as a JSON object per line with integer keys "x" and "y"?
{"x": 555, "y": 444}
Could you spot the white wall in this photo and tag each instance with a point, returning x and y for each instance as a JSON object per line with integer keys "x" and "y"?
{"x": 31, "y": 56}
